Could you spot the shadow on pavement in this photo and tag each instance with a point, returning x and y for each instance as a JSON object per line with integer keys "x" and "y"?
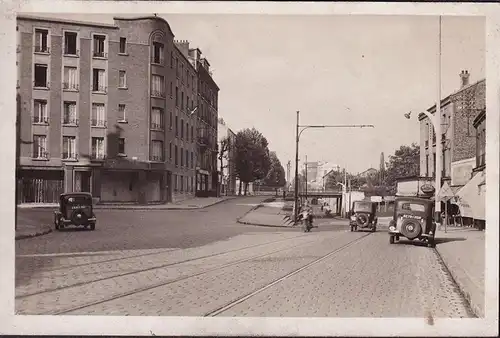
{"x": 449, "y": 239}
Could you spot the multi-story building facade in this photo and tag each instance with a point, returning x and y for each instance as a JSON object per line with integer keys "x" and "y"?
{"x": 458, "y": 138}
{"x": 106, "y": 109}
{"x": 227, "y": 169}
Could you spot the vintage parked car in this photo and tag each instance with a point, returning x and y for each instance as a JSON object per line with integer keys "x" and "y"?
{"x": 75, "y": 208}
{"x": 413, "y": 218}
{"x": 363, "y": 216}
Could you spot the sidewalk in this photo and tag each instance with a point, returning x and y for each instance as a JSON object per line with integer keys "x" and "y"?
{"x": 27, "y": 231}
{"x": 267, "y": 214}
{"x": 463, "y": 252}
{"x": 193, "y": 203}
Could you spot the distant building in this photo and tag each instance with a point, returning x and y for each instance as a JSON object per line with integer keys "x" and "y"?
{"x": 368, "y": 172}
{"x": 228, "y": 170}
{"x": 461, "y": 111}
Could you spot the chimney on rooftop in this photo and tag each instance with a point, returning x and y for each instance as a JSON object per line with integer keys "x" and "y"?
{"x": 464, "y": 77}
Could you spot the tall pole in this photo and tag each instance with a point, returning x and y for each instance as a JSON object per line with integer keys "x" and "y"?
{"x": 306, "y": 177}
{"x": 296, "y": 190}
{"x": 437, "y": 128}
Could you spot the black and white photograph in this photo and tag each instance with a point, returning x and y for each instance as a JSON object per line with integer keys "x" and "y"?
{"x": 279, "y": 168}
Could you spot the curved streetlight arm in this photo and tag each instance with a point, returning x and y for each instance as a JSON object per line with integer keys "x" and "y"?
{"x": 334, "y": 126}
{"x": 431, "y": 118}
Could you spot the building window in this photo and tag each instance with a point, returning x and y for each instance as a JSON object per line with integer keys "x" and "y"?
{"x": 157, "y": 53}
{"x": 69, "y": 113}
{"x": 182, "y": 129}
{"x": 157, "y": 86}
{"x": 157, "y": 118}
{"x": 177, "y": 96}
{"x": 98, "y": 115}
{"x": 182, "y": 183}
{"x": 122, "y": 114}
{"x": 98, "y": 148}
{"x": 187, "y": 158}
{"x": 174, "y": 178}
{"x": 122, "y": 79}
{"x": 176, "y": 156}
{"x": 427, "y": 165}
{"x": 41, "y": 76}
{"x": 98, "y": 80}
{"x": 170, "y": 151}
{"x": 171, "y": 121}
{"x": 99, "y": 46}
{"x": 171, "y": 59}
{"x": 192, "y": 135}
{"x": 481, "y": 145}
{"x": 70, "y": 43}
{"x": 434, "y": 165}
{"x": 41, "y": 41}
{"x": 176, "y": 126}
{"x": 182, "y": 100}
{"x": 69, "y": 148}
{"x": 157, "y": 151}
{"x": 182, "y": 157}
{"x": 177, "y": 67}
{"x": 70, "y": 78}
{"x": 123, "y": 45}
{"x": 40, "y": 146}
{"x": 40, "y": 111}
{"x": 192, "y": 160}
{"x": 121, "y": 146}
{"x": 187, "y": 131}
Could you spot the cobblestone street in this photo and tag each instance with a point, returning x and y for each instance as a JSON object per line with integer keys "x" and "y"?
{"x": 229, "y": 269}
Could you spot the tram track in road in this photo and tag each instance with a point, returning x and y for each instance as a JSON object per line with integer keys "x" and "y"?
{"x": 229, "y": 305}
{"x": 26, "y": 295}
{"x": 138, "y": 290}
{"x": 175, "y": 280}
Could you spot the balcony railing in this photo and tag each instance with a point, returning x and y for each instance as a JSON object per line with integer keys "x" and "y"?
{"x": 70, "y": 86}
{"x": 157, "y": 61}
{"x": 99, "y": 89}
{"x": 71, "y": 53}
{"x": 99, "y": 123}
{"x": 158, "y": 93}
{"x": 44, "y": 155}
{"x": 97, "y": 156}
{"x": 98, "y": 54}
{"x": 41, "y": 84}
{"x": 156, "y": 158}
{"x": 70, "y": 121}
{"x": 69, "y": 157}
{"x": 202, "y": 141}
{"x": 41, "y": 119}
{"x": 156, "y": 126}
{"x": 42, "y": 49}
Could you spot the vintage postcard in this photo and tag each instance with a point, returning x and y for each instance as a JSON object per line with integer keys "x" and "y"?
{"x": 201, "y": 168}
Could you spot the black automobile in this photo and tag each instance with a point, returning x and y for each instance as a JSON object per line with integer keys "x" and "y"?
{"x": 363, "y": 216}
{"x": 75, "y": 208}
{"x": 413, "y": 218}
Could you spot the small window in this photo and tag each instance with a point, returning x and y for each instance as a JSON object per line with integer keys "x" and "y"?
{"x": 98, "y": 80}
{"x": 70, "y": 43}
{"x": 40, "y": 146}
{"x": 176, "y": 156}
{"x": 41, "y": 75}
{"x": 69, "y": 148}
{"x": 69, "y": 113}
{"x": 40, "y": 111}
{"x": 99, "y": 46}
{"x": 182, "y": 129}
{"x": 122, "y": 79}
{"x": 123, "y": 45}
{"x": 121, "y": 112}
{"x": 157, "y": 53}
{"x": 171, "y": 121}
{"x": 121, "y": 145}
{"x": 41, "y": 41}
{"x": 176, "y": 126}
{"x": 170, "y": 150}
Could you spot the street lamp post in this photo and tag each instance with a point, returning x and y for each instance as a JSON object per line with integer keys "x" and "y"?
{"x": 436, "y": 124}
{"x": 297, "y": 138}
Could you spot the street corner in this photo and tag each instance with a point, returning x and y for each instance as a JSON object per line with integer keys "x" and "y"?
{"x": 32, "y": 231}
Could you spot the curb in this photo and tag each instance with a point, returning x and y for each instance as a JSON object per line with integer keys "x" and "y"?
{"x": 264, "y": 225}
{"x": 475, "y": 308}
{"x": 252, "y": 209}
{"x": 36, "y": 234}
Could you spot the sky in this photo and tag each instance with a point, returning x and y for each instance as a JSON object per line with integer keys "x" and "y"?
{"x": 334, "y": 69}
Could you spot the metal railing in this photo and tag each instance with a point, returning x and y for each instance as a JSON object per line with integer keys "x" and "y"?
{"x": 99, "y": 88}
{"x": 70, "y": 86}
{"x": 98, "y": 123}
{"x": 71, "y": 157}
{"x": 69, "y": 53}
{"x": 99, "y": 54}
{"x": 158, "y": 93}
{"x": 44, "y": 155}
{"x": 156, "y": 126}
{"x": 70, "y": 121}
{"x": 41, "y": 119}
{"x": 96, "y": 156}
{"x": 42, "y": 49}
{"x": 157, "y": 158}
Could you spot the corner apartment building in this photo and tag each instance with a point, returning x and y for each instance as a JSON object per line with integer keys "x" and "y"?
{"x": 228, "y": 168}
{"x": 459, "y": 142}
{"x": 94, "y": 101}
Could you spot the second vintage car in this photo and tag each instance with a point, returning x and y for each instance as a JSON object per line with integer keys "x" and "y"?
{"x": 75, "y": 208}
{"x": 363, "y": 216}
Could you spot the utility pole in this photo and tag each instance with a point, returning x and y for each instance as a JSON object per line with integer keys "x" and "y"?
{"x": 296, "y": 190}
{"x": 305, "y": 164}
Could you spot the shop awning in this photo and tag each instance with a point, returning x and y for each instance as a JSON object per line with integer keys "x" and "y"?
{"x": 471, "y": 198}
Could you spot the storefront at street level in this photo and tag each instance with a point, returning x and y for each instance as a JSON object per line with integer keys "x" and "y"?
{"x": 471, "y": 200}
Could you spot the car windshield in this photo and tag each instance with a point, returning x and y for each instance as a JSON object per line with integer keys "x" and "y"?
{"x": 362, "y": 207}
{"x": 411, "y": 206}
{"x": 78, "y": 199}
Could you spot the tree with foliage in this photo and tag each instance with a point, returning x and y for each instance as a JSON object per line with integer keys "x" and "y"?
{"x": 225, "y": 144}
{"x": 276, "y": 175}
{"x": 252, "y": 157}
{"x": 333, "y": 178}
{"x": 404, "y": 163}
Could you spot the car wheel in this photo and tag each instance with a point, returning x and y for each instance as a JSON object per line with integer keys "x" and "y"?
{"x": 397, "y": 238}
{"x": 352, "y": 228}
{"x": 92, "y": 226}
{"x": 391, "y": 239}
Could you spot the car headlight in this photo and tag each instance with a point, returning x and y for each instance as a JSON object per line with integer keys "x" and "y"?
{"x": 392, "y": 228}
